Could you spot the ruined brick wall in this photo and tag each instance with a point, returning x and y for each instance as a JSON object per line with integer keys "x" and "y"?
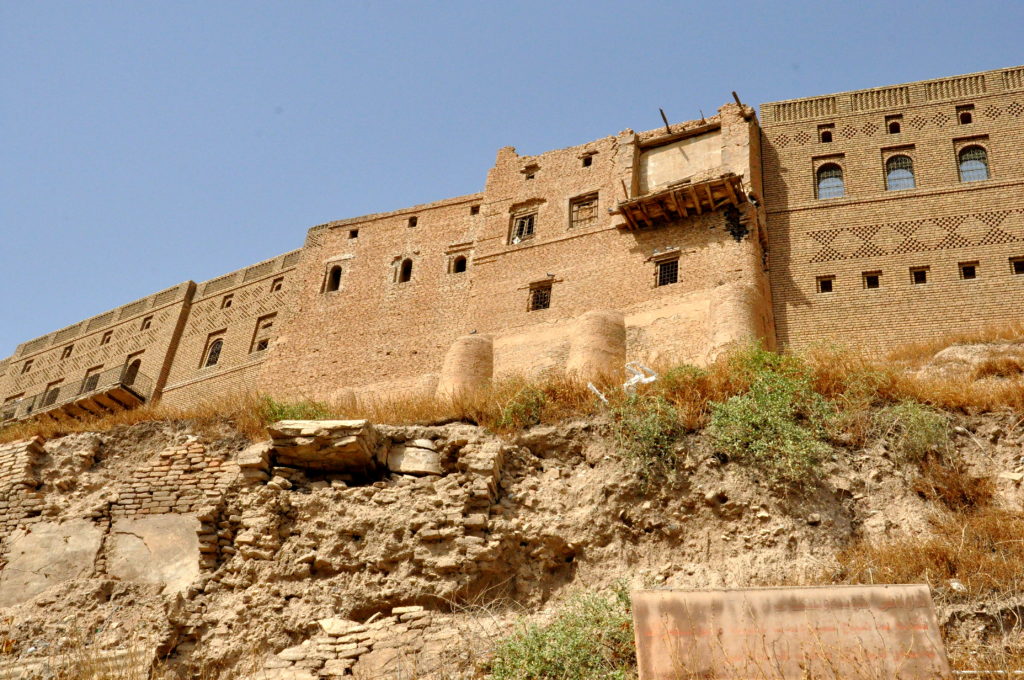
{"x": 241, "y": 310}
{"x": 20, "y": 503}
{"x": 146, "y": 329}
{"x": 943, "y": 224}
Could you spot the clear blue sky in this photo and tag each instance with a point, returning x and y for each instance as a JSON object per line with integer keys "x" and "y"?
{"x": 146, "y": 143}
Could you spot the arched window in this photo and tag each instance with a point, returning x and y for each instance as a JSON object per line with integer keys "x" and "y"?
{"x": 459, "y": 265}
{"x": 405, "y": 273}
{"x": 899, "y": 173}
{"x": 213, "y": 354}
{"x": 894, "y": 127}
{"x": 830, "y": 181}
{"x": 333, "y": 279}
{"x": 131, "y": 371}
{"x": 973, "y": 164}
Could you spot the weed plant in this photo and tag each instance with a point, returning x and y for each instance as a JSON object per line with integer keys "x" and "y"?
{"x": 646, "y": 428}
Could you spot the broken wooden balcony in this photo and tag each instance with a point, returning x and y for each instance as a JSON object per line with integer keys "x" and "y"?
{"x": 112, "y": 391}
{"x": 679, "y": 201}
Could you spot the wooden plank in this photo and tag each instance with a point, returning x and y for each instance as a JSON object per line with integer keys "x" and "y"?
{"x": 731, "y": 190}
{"x": 630, "y": 224}
{"x": 681, "y": 202}
{"x": 711, "y": 198}
{"x": 680, "y": 211}
{"x": 106, "y": 402}
{"x": 696, "y": 201}
{"x": 123, "y": 397}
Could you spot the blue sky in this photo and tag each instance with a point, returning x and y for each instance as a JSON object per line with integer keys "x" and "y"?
{"x": 146, "y": 143}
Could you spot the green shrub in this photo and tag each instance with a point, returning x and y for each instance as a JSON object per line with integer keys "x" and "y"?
{"x": 523, "y": 409}
{"x": 272, "y": 410}
{"x": 590, "y": 638}
{"x": 779, "y": 424}
{"x": 646, "y": 428}
{"x": 911, "y": 430}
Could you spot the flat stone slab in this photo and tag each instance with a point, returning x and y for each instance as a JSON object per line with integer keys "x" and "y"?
{"x": 160, "y": 549}
{"x": 853, "y": 632}
{"x": 410, "y": 460}
{"x": 333, "y": 445}
{"x": 48, "y": 555}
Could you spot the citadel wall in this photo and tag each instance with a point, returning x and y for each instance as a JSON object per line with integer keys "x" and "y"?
{"x": 963, "y": 235}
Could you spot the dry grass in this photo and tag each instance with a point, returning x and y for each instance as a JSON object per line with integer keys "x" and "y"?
{"x": 923, "y": 351}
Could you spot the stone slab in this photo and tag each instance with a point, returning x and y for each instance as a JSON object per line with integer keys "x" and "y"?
{"x": 157, "y": 549}
{"x": 49, "y": 554}
{"x": 853, "y": 632}
{"x": 409, "y": 460}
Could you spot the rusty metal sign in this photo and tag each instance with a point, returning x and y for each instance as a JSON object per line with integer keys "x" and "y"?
{"x": 836, "y": 632}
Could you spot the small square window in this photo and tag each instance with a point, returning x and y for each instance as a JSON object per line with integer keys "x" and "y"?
{"x": 105, "y": 339}
{"x": 825, "y": 133}
{"x": 277, "y": 284}
{"x": 668, "y": 272}
{"x": 226, "y": 301}
{"x": 894, "y": 124}
{"x": 1017, "y": 265}
{"x": 353, "y": 233}
{"x": 919, "y": 275}
{"x": 474, "y": 210}
{"x": 66, "y": 352}
{"x": 147, "y": 323}
{"x": 413, "y": 221}
{"x": 872, "y": 279}
{"x": 522, "y": 228}
{"x": 583, "y": 211}
{"x": 965, "y": 114}
{"x": 826, "y": 284}
{"x": 588, "y": 161}
{"x": 540, "y": 297}
{"x": 27, "y": 367}
{"x": 968, "y": 270}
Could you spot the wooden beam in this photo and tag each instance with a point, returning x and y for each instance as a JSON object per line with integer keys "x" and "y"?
{"x": 696, "y": 201}
{"x": 711, "y": 198}
{"x": 679, "y": 210}
{"x": 630, "y": 224}
{"x": 731, "y": 190}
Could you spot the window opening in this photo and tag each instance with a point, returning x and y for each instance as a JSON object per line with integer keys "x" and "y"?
{"x": 147, "y": 323}
{"x": 825, "y": 133}
{"x": 131, "y": 371}
{"x": 353, "y": 233}
{"x": 92, "y": 379}
{"x": 277, "y": 284}
{"x": 413, "y": 221}
{"x": 459, "y": 265}
{"x": 27, "y": 367}
{"x": 583, "y": 211}
{"x": 893, "y": 124}
{"x": 973, "y": 164}
{"x": 826, "y": 284}
{"x": 1016, "y": 264}
{"x": 899, "y": 173}
{"x": 919, "y": 275}
{"x": 405, "y": 272}
{"x": 51, "y": 393}
{"x": 66, "y": 352}
{"x": 540, "y": 297}
{"x": 333, "y": 279}
{"x": 107, "y": 335}
{"x": 474, "y": 210}
{"x": 668, "y": 272}
{"x": 588, "y": 160}
{"x": 213, "y": 353}
{"x": 226, "y": 300}
{"x": 872, "y": 279}
{"x": 965, "y": 114}
{"x": 522, "y": 228}
{"x": 261, "y": 336}
{"x": 830, "y": 181}
{"x": 968, "y": 270}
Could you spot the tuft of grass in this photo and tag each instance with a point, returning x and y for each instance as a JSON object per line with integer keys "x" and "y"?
{"x": 911, "y": 430}
{"x": 779, "y": 424}
{"x": 590, "y": 638}
{"x": 646, "y": 427}
{"x": 523, "y": 409}
{"x": 1000, "y": 367}
{"x": 272, "y": 410}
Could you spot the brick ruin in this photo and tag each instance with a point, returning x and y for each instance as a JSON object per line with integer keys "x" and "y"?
{"x": 873, "y": 217}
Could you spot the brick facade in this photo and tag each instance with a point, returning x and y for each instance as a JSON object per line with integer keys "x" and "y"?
{"x": 375, "y": 305}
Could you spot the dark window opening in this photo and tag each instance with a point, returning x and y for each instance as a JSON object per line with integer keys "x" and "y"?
{"x": 973, "y": 164}
{"x": 893, "y": 124}
{"x": 333, "y": 279}
{"x": 531, "y": 175}
{"x": 213, "y": 353}
{"x": 968, "y": 270}
{"x": 353, "y": 233}
{"x": 27, "y": 367}
{"x": 1017, "y": 263}
{"x": 583, "y": 211}
{"x": 262, "y": 345}
{"x": 277, "y": 284}
{"x": 522, "y": 228}
{"x": 899, "y": 173}
{"x": 413, "y": 221}
{"x": 540, "y": 297}
{"x": 668, "y": 272}
{"x": 588, "y": 161}
{"x": 825, "y": 133}
{"x": 92, "y": 379}
{"x": 872, "y": 279}
{"x": 919, "y": 275}
{"x": 51, "y": 393}
{"x": 965, "y": 114}
{"x": 830, "y": 181}
{"x": 474, "y": 210}
{"x": 459, "y": 265}
{"x": 226, "y": 301}
{"x": 826, "y": 284}
{"x": 147, "y": 323}
{"x": 106, "y": 337}
{"x": 131, "y": 371}
{"x": 405, "y": 271}
{"x": 66, "y": 352}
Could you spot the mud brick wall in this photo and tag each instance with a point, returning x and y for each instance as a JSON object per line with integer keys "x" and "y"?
{"x": 940, "y": 224}
{"x": 19, "y": 500}
{"x": 182, "y": 479}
